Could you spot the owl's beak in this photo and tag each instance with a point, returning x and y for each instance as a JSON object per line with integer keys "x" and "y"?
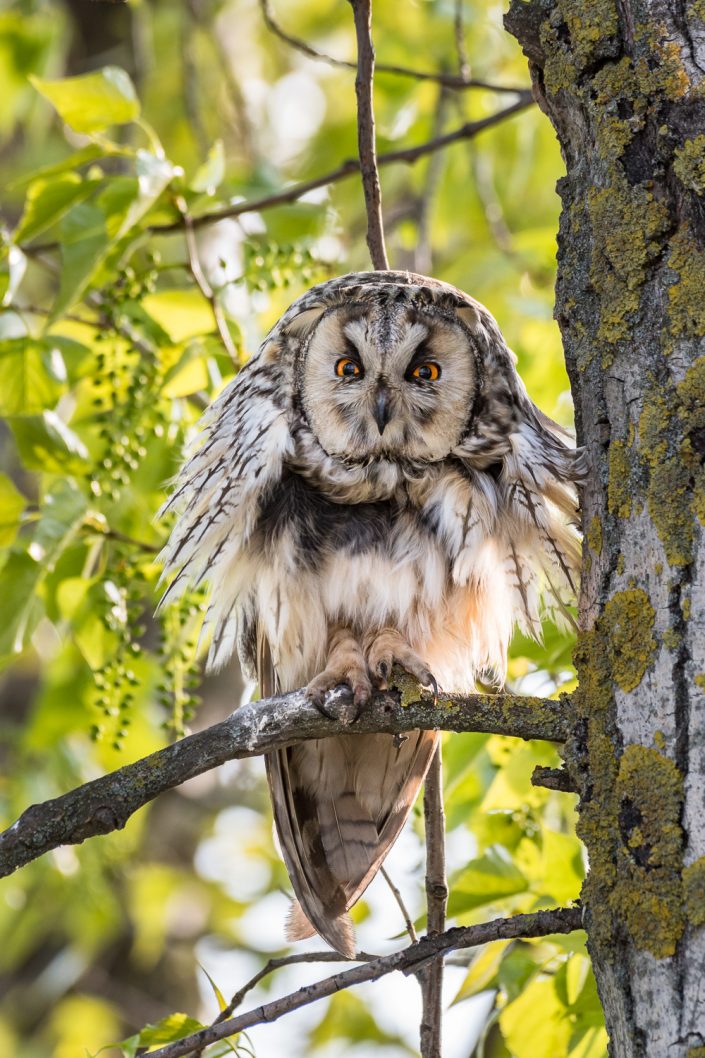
{"x": 382, "y": 412}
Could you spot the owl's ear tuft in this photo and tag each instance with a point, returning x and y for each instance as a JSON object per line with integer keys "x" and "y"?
{"x": 470, "y": 316}
{"x": 305, "y": 321}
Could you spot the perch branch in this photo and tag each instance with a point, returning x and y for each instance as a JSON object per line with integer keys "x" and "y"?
{"x": 447, "y": 80}
{"x": 408, "y": 961}
{"x": 467, "y": 131}
{"x": 367, "y": 150}
{"x": 106, "y": 804}
{"x": 436, "y": 900}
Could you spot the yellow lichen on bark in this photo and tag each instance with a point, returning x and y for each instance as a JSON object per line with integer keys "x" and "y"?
{"x": 628, "y": 622}
{"x": 648, "y": 893}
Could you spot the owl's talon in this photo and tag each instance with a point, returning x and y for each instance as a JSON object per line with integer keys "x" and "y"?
{"x": 432, "y": 682}
{"x": 389, "y": 647}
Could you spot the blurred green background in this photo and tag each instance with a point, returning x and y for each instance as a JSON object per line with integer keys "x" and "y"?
{"x": 109, "y": 350}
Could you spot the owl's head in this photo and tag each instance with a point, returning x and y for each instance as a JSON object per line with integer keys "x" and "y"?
{"x": 387, "y": 380}
{"x": 396, "y": 368}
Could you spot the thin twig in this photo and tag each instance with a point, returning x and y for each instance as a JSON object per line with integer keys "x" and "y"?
{"x": 409, "y": 155}
{"x": 408, "y": 961}
{"x": 106, "y": 804}
{"x": 423, "y": 252}
{"x": 203, "y": 284}
{"x": 367, "y": 150}
{"x": 402, "y": 906}
{"x": 436, "y": 901}
{"x": 190, "y": 76}
{"x": 457, "y": 82}
{"x": 459, "y": 34}
{"x": 276, "y": 964}
{"x": 121, "y": 538}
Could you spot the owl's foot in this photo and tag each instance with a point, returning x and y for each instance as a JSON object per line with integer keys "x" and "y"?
{"x": 389, "y": 648}
{"x": 345, "y": 665}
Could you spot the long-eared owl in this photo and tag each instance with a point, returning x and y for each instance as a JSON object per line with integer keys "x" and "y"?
{"x": 374, "y": 488}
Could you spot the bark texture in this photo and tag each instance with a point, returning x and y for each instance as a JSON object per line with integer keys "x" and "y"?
{"x": 623, "y": 82}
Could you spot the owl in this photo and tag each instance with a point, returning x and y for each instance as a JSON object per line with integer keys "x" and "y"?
{"x": 374, "y": 488}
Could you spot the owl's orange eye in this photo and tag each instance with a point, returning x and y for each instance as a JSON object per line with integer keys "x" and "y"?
{"x": 347, "y": 368}
{"x": 427, "y": 372}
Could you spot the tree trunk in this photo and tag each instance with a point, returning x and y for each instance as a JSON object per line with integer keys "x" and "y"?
{"x": 624, "y": 86}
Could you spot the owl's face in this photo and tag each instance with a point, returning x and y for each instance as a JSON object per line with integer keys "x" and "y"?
{"x": 388, "y": 382}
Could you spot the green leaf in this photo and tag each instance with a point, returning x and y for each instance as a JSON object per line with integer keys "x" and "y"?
{"x": 19, "y": 578}
{"x": 518, "y": 966}
{"x": 210, "y": 174}
{"x": 482, "y": 973}
{"x": 490, "y": 877}
{"x": 172, "y": 1027}
{"x": 12, "y": 504}
{"x": 535, "y": 1025}
{"x": 45, "y": 442}
{"x": 47, "y": 200}
{"x": 16, "y": 267}
{"x": 26, "y": 387}
{"x": 62, "y": 513}
{"x": 71, "y": 164}
{"x": 84, "y": 243}
{"x": 562, "y": 866}
{"x": 93, "y": 101}
{"x": 220, "y": 998}
{"x": 153, "y": 176}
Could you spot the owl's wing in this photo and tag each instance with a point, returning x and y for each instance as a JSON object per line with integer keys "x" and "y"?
{"x": 236, "y": 460}
{"x": 521, "y": 495}
{"x": 339, "y": 805}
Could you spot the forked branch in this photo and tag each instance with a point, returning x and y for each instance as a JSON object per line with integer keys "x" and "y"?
{"x": 409, "y": 961}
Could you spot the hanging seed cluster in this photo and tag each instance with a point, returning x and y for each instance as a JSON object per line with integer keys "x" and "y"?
{"x": 269, "y": 265}
{"x": 127, "y": 382}
{"x": 124, "y": 600}
{"x": 180, "y": 628}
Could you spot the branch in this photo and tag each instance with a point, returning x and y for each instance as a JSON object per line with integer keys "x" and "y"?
{"x": 459, "y": 34}
{"x": 436, "y": 901}
{"x": 455, "y": 81}
{"x": 364, "y": 92}
{"x": 106, "y": 804}
{"x": 408, "y": 961}
{"x": 347, "y": 168}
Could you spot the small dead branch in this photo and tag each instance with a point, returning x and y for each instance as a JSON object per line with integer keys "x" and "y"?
{"x": 402, "y": 906}
{"x": 364, "y": 91}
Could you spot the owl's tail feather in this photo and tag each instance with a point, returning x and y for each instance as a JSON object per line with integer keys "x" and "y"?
{"x": 339, "y": 805}
{"x": 339, "y": 931}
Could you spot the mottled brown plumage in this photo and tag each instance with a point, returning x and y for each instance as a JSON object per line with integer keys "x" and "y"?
{"x": 374, "y": 488}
